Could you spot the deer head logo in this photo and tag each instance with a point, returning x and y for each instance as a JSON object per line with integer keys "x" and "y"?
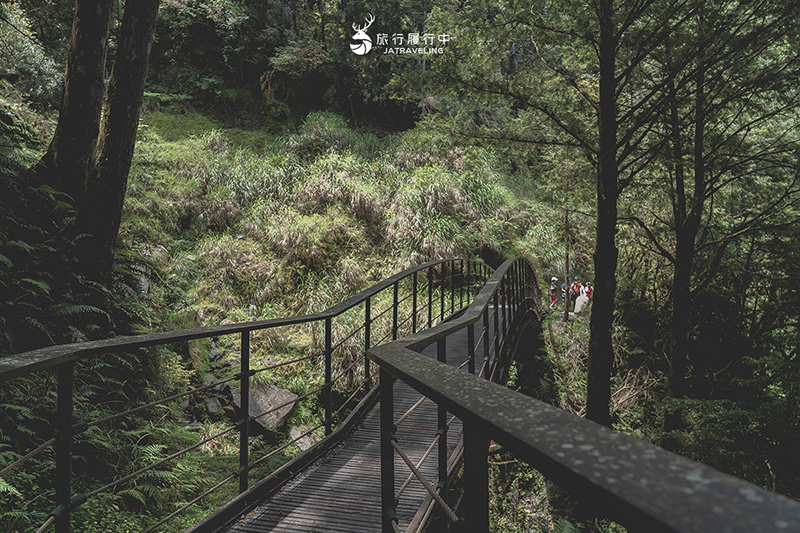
{"x": 363, "y": 42}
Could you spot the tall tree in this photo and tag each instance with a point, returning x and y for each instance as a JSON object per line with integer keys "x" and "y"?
{"x": 100, "y": 209}
{"x": 66, "y": 164}
{"x": 87, "y": 161}
{"x": 732, "y": 104}
{"x": 581, "y": 83}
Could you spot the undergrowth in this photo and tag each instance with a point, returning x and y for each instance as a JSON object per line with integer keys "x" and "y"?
{"x": 224, "y": 225}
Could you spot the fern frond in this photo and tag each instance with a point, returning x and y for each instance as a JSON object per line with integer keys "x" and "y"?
{"x": 38, "y": 283}
{"x": 35, "y": 324}
{"x": 7, "y": 488}
{"x": 133, "y": 493}
{"x": 67, "y": 309}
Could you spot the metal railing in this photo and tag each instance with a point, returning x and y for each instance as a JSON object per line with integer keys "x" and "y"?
{"x": 412, "y": 299}
{"x": 640, "y": 486}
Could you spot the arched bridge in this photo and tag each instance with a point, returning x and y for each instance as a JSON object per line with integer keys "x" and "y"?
{"x": 410, "y": 395}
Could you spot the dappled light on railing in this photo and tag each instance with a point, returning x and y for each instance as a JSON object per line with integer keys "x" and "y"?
{"x": 417, "y": 298}
{"x": 503, "y": 301}
{"x": 633, "y": 483}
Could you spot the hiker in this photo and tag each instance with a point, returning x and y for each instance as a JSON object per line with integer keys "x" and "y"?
{"x": 553, "y": 292}
{"x": 575, "y": 290}
{"x": 588, "y": 290}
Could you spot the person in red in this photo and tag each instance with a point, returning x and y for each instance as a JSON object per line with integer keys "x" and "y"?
{"x": 553, "y": 292}
{"x": 588, "y": 290}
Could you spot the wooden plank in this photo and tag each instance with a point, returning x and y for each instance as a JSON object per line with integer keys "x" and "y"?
{"x": 342, "y": 493}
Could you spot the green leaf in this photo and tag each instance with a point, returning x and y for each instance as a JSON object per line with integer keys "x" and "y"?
{"x": 38, "y": 283}
{"x": 6, "y": 488}
{"x": 65, "y": 309}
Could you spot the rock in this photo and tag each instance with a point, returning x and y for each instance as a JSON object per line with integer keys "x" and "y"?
{"x": 265, "y": 398}
{"x": 142, "y": 275}
{"x": 304, "y": 442}
{"x": 213, "y": 406}
{"x": 580, "y": 303}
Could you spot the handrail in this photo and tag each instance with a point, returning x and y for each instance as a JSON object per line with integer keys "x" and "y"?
{"x": 63, "y": 359}
{"x": 640, "y": 486}
{"x": 15, "y": 365}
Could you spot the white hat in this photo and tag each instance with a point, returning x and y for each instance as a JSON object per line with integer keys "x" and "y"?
{"x": 554, "y": 278}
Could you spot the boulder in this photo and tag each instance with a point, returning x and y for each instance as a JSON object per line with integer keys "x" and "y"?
{"x": 580, "y": 303}
{"x": 213, "y": 406}
{"x": 304, "y": 442}
{"x": 265, "y": 398}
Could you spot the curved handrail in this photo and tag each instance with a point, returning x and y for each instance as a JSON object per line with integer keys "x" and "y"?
{"x": 419, "y": 341}
{"x": 636, "y": 484}
{"x": 15, "y": 365}
{"x": 62, "y": 357}
{"x": 513, "y": 291}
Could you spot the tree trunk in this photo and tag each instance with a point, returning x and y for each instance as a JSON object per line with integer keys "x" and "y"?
{"x": 601, "y": 351}
{"x": 101, "y": 208}
{"x": 687, "y": 225}
{"x": 685, "y": 238}
{"x": 567, "y": 300}
{"x": 66, "y": 164}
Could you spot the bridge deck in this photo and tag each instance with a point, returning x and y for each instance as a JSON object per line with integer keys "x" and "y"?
{"x": 341, "y": 492}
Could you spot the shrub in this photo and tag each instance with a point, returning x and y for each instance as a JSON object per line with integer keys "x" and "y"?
{"x": 23, "y": 60}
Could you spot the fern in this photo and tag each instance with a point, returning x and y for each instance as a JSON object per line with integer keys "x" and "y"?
{"x": 7, "y": 488}
{"x": 67, "y": 309}
{"x": 36, "y": 324}
{"x": 38, "y": 283}
{"x": 135, "y": 494}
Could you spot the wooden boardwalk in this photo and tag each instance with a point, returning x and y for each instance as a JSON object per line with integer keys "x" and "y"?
{"x": 341, "y": 492}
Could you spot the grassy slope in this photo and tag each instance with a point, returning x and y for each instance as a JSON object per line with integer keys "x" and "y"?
{"x": 258, "y": 226}
{"x": 229, "y": 224}
{"x": 250, "y": 226}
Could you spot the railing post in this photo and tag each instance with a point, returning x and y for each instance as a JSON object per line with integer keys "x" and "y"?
{"x": 461, "y": 285}
{"x": 476, "y": 478}
{"x": 441, "y": 290}
{"x": 503, "y": 303}
{"x": 486, "y": 341}
{"x": 244, "y": 430}
{"x": 496, "y": 334}
{"x": 414, "y": 303}
{"x": 452, "y": 287}
{"x": 328, "y": 377}
{"x": 388, "y": 504}
{"x": 367, "y": 326}
{"x": 471, "y": 348}
{"x": 467, "y": 282}
{"x": 394, "y": 311}
{"x": 430, "y": 297}
{"x": 63, "y": 479}
{"x": 441, "y": 355}
{"x": 514, "y": 288}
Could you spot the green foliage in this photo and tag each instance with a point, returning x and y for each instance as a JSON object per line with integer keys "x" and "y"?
{"x": 516, "y": 494}
{"x": 43, "y": 294}
{"x": 36, "y": 76}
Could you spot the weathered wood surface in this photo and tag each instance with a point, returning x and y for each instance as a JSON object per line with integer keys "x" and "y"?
{"x": 341, "y": 493}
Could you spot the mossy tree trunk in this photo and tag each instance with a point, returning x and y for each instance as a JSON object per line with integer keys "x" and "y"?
{"x": 100, "y": 209}
{"x": 66, "y": 164}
